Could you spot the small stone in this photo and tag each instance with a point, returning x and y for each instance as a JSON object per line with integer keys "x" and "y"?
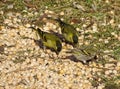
{"x": 72, "y": 23}
{"x": 46, "y": 28}
{"x": 27, "y": 25}
{"x": 115, "y": 72}
{"x": 94, "y": 28}
{"x": 26, "y": 54}
{"x": 106, "y": 51}
{"x": 119, "y": 38}
{"x": 118, "y": 25}
{"x": 101, "y": 86}
{"x": 112, "y": 33}
{"x": 100, "y": 39}
{"x": 46, "y": 11}
{"x": 10, "y": 6}
{"x": 43, "y": 54}
{"x": 109, "y": 65}
{"x": 111, "y": 21}
{"x": 62, "y": 13}
{"x": 18, "y": 14}
{"x": 10, "y": 24}
{"x": 106, "y": 41}
{"x": 84, "y": 25}
{"x": 118, "y": 64}
{"x": 78, "y": 29}
{"x": 116, "y": 36}
{"x": 6, "y": 21}
{"x": 51, "y": 12}
{"x": 36, "y": 13}
{"x": 54, "y": 26}
{"x": 107, "y": 72}
{"x": 19, "y": 87}
{"x": 86, "y": 43}
{"x": 81, "y": 37}
{"x": 112, "y": 12}
{"x": 30, "y": 14}
{"x": 14, "y": 20}
{"x": 1, "y": 12}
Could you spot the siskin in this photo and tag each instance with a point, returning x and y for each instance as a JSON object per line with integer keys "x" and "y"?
{"x": 84, "y": 54}
{"x": 50, "y": 40}
{"x": 69, "y": 32}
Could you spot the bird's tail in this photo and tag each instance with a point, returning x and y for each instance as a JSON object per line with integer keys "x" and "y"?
{"x": 59, "y": 46}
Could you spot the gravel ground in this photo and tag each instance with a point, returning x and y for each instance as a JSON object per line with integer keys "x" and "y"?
{"x": 24, "y": 65}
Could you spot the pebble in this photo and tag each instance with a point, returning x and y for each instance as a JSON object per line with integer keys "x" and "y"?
{"x": 10, "y": 6}
{"x": 115, "y": 72}
{"x": 27, "y": 25}
{"x": 106, "y": 41}
{"x": 46, "y": 28}
{"x": 42, "y": 55}
{"x": 94, "y": 28}
{"x": 7, "y": 21}
{"x": 101, "y": 86}
{"x": 51, "y": 12}
{"x": 46, "y": 11}
{"x": 30, "y": 14}
{"x": 118, "y": 64}
{"x": 1, "y": 12}
{"x": 62, "y": 13}
{"x": 118, "y": 25}
{"x": 107, "y": 1}
{"x": 84, "y": 25}
{"x": 111, "y": 21}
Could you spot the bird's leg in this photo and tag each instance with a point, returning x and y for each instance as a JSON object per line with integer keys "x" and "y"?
{"x": 58, "y": 58}
{"x": 37, "y": 36}
{"x": 44, "y": 49}
{"x": 54, "y": 56}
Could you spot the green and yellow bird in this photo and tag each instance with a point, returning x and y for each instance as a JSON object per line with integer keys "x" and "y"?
{"x": 70, "y": 34}
{"x": 50, "y": 40}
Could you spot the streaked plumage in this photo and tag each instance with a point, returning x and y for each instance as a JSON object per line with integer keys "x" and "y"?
{"x": 69, "y": 32}
{"x": 85, "y": 54}
{"x": 50, "y": 40}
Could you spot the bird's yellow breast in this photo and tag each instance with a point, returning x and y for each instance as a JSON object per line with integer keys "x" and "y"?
{"x": 49, "y": 43}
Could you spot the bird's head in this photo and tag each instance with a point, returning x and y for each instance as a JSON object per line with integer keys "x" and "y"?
{"x": 40, "y": 32}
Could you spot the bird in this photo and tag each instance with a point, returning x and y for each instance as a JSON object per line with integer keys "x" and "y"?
{"x": 70, "y": 34}
{"x": 84, "y": 54}
{"x": 49, "y": 40}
